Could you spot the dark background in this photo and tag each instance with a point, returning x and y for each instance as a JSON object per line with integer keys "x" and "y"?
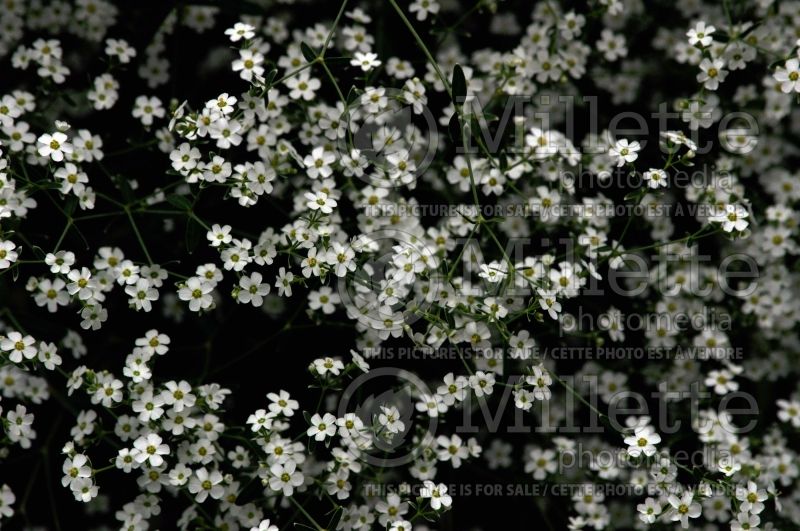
{"x": 238, "y": 346}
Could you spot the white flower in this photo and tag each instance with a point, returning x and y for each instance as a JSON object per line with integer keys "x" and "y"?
{"x": 125, "y": 460}
{"x": 150, "y": 448}
{"x": 7, "y": 254}
{"x": 318, "y": 163}
{"x": 84, "y": 490}
{"x": 453, "y": 389}
{"x": 365, "y": 61}
{"x": 745, "y": 522}
{"x": 327, "y": 365}
{"x": 302, "y": 86}
{"x": 197, "y": 292}
{"x": 109, "y": 391}
{"x": 649, "y": 510}
{"x": 341, "y": 258}
{"x": 549, "y": 303}
{"x": 75, "y": 468}
{"x": 282, "y": 403}
{"x": 146, "y": 109}
{"x": 178, "y": 395}
{"x": 54, "y": 146}
{"x": 788, "y": 76}
{"x": 71, "y": 177}
{"x": 390, "y": 419}
{"x": 320, "y": 201}
{"x": 423, "y": 7}
{"x": 721, "y": 381}
{"x": 643, "y": 441}
{"x": 493, "y": 271}
{"x": 153, "y": 342}
{"x": 751, "y": 498}
{"x": 789, "y": 411}
{"x": 437, "y": 494}
{"x": 482, "y": 383}
{"x": 264, "y": 525}
{"x": 323, "y": 299}
{"x": 624, "y": 152}
{"x": 712, "y": 73}
{"x": 540, "y": 463}
{"x": 120, "y": 49}
{"x": 451, "y": 449}
{"x": 239, "y": 31}
{"x": 49, "y": 356}
{"x": 60, "y": 262}
{"x": 655, "y": 178}
{"x": 284, "y": 282}
{"x": 400, "y": 525}
{"x": 391, "y": 510}
{"x": 285, "y": 478}
{"x": 728, "y": 465}
{"x": 684, "y": 508}
{"x": 260, "y": 420}
{"x": 219, "y": 235}
{"x": 540, "y": 380}
{"x": 18, "y": 346}
{"x": 252, "y": 290}
{"x": 322, "y": 427}
{"x": 613, "y": 46}
{"x": 204, "y": 484}
{"x": 223, "y": 104}
{"x": 184, "y": 158}
{"x": 142, "y": 295}
{"x": 732, "y": 217}
{"x": 249, "y": 65}
{"x": 701, "y": 34}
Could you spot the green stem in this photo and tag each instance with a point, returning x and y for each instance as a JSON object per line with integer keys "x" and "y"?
{"x": 138, "y": 236}
{"x": 333, "y": 29}
{"x": 305, "y": 513}
{"x": 424, "y": 48}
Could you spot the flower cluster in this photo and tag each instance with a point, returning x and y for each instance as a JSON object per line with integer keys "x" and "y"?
{"x": 304, "y": 180}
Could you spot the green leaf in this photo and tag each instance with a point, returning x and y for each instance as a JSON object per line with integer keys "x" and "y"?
{"x": 632, "y": 195}
{"x": 502, "y": 160}
{"x": 308, "y": 53}
{"x": 68, "y": 99}
{"x": 352, "y": 95}
{"x": 179, "y": 202}
{"x": 269, "y": 78}
{"x": 454, "y": 130}
{"x": 72, "y": 203}
{"x": 459, "y": 84}
{"x": 194, "y": 233}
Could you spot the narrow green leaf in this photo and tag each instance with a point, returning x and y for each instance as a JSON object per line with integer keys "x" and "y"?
{"x": 270, "y": 77}
{"x": 352, "y": 95}
{"x": 631, "y": 195}
{"x": 308, "y": 53}
{"x": 72, "y": 203}
{"x": 179, "y": 202}
{"x": 459, "y": 84}
{"x": 454, "y": 130}
{"x": 194, "y": 233}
